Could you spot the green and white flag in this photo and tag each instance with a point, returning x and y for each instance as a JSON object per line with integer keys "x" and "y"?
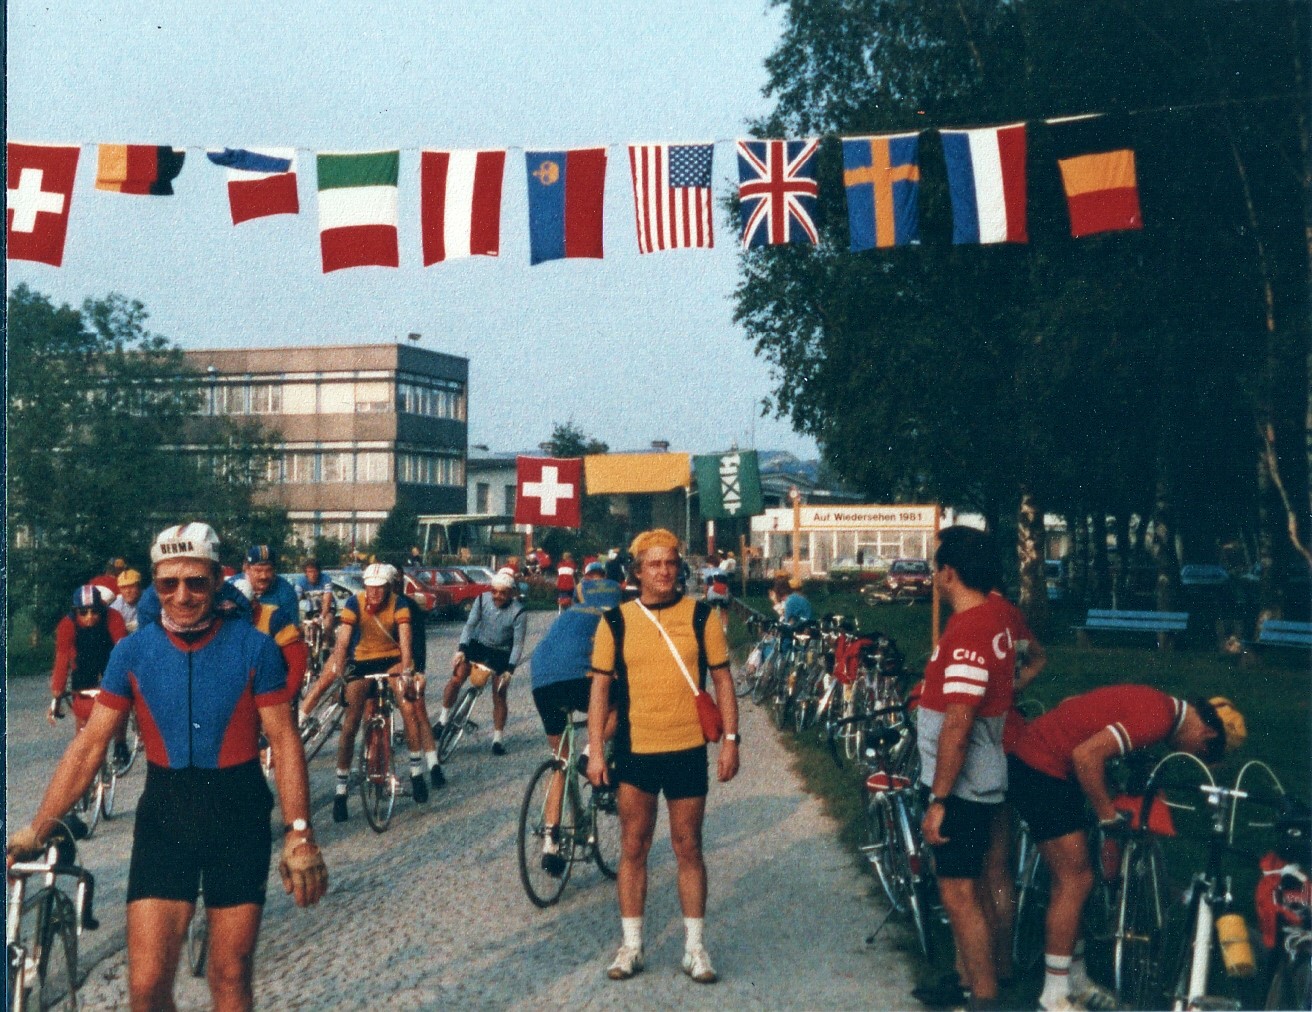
{"x": 729, "y": 484}
{"x": 357, "y": 209}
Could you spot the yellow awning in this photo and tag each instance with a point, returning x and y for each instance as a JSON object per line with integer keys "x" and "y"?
{"x": 619, "y": 473}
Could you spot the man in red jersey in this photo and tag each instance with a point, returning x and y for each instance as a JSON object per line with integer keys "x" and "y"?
{"x": 968, "y": 690}
{"x": 1059, "y": 761}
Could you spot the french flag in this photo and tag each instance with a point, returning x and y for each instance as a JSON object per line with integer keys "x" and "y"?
{"x": 986, "y": 182}
{"x": 460, "y": 203}
{"x": 261, "y": 181}
{"x": 565, "y": 197}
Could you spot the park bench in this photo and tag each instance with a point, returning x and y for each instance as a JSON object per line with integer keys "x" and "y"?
{"x": 1274, "y": 632}
{"x": 1163, "y": 624}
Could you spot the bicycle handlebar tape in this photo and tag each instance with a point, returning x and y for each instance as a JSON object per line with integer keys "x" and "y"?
{"x": 1236, "y": 949}
{"x": 304, "y": 875}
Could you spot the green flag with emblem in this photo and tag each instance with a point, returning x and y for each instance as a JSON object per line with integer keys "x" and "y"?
{"x": 729, "y": 484}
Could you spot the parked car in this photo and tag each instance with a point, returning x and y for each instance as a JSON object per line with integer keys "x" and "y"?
{"x": 458, "y": 590}
{"x": 868, "y": 571}
{"x": 481, "y": 574}
{"x": 908, "y": 580}
{"x": 349, "y": 582}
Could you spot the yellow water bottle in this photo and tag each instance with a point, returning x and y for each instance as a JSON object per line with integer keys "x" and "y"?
{"x": 1236, "y": 949}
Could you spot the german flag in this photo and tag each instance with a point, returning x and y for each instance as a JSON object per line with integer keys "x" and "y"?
{"x": 138, "y": 168}
{"x": 1097, "y": 173}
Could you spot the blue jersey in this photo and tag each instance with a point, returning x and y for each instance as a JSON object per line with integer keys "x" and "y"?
{"x": 304, "y": 587}
{"x": 280, "y": 594}
{"x": 797, "y": 609}
{"x": 565, "y": 652}
{"x": 197, "y": 703}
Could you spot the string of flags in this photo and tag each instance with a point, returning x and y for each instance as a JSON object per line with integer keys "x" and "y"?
{"x": 549, "y": 490}
{"x": 460, "y": 192}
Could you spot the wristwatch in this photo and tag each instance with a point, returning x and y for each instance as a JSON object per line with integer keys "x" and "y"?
{"x": 734, "y": 737}
{"x": 933, "y": 799}
{"x": 295, "y": 826}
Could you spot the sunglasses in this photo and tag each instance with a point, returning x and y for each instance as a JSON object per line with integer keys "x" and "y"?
{"x": 170, "y": 584}
{"x": 86, "y": 612}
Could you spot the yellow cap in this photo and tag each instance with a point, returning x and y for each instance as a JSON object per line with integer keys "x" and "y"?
{"x": 1236, "y": 730}
{"x": 658, "y": 538}
{"x": 129, "y": 578}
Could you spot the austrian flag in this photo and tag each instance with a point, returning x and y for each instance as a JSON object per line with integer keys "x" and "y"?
{"x": 550, "y": 491}
{"x": 460, "y": 203}
{"x": 39, "y": 194}
{"x": 357, "y": 209}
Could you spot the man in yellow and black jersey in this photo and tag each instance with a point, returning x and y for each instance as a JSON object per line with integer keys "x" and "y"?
{"x": 653, "y": 649}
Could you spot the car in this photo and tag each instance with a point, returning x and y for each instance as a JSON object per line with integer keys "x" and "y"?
{"x": 349, "y": 582}
{"x": 871, "y": 570}
{"x": 908, "y": 580}
{"x": 481, "y": 574}
{"x": 456, "y": 586}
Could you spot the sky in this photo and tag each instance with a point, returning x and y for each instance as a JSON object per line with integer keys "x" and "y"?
{"x": 629, "y": 349}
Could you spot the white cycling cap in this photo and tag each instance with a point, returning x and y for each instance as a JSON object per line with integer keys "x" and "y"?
{"x": 379, "y": 574}
{"x": 503, "y": 581}
{"x": 186, "y": 541}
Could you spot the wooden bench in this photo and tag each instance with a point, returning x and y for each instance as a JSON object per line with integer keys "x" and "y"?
{"x": 1163, "y": 624}
{"x": 1274, "y": 632}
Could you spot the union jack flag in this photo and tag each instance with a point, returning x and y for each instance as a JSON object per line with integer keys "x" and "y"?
{"x": 778, "y": 191}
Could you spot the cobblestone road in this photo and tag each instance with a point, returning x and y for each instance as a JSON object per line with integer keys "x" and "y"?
{"x": 432, "y": 913}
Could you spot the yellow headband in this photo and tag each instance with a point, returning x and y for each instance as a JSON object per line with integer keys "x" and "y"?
{"x": 658, "y": 538}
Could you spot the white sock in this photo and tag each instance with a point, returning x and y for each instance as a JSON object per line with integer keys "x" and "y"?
{"x": 446, "y": 712}
{"x": 416, "y": 764}
{"x": 632, "y": 929}
{"x": 550, "y": 840}
{"x": 343, "y": 779}
{"x": 496, "y": 736}
{"x": 693, "y": 926}
{"x": 1056, "y": 978}
{"x": 431, "y": 758}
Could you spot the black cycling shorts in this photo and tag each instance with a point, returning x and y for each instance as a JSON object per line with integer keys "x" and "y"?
{"x": 377, "y": 666}
{"x": 491, "y": 657}
{"x": 676, "y": 774}
{"x": 1049, "y": 806}
{"x": 202, "y": 829}
{"x": 554, "y": 700}
{"x": 967, "y": 826}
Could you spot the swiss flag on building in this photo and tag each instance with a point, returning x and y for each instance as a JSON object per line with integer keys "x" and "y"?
{"x": 40, "y": 192}
{"x": 550, "y": 491}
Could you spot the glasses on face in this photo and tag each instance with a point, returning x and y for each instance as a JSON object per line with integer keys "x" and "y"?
{"x": 86, "y": 612}
{"x": 166, "y": 585}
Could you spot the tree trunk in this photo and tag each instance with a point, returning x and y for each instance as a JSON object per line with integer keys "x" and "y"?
{"x": 1163, "y": 549}
{"x": 1100, "y": 583}
{"x": 1031, "y": 550}
{"x": 1079, "y": 560}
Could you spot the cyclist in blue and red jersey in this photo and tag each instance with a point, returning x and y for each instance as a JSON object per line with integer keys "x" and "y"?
{"x": 203, "y": 687}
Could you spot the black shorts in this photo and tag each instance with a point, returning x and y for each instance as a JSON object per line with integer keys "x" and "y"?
{"x": 481, "y": 653}
{"x": 677, "y": 774}
{"x": 967, "y": 826}
{"x": 205, "y": 829}
{"x": 377, "y": 666}
{"x": 1049, "y": 806}
{"x": 554, "y": 700}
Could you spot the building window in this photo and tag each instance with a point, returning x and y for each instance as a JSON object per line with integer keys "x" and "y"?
{"x": 510, "y": 500}
{"x": 430, "y": 469}
{"x": 299, "y": 468}
{"x": 266, "y": 398}
{"x": 337, "y": 466}
{"x": 432, "y": 399}
{"x": 373, "y": 465}
{"x": 373, "y": 397}
{"x": 482, "y": 497}
{"x": 230, "y": 399}
{"x": 273, "y": 471}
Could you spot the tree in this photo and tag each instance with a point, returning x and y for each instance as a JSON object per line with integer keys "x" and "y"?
{"x": 100, "y": 413}
{"x": 397, "y": 534}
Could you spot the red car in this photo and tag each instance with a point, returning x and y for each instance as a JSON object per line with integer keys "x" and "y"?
{"x": 453, "y": 585}
{"x": 908, "y": 580}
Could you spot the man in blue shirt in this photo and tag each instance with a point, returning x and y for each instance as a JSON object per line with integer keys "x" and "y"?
{"x": 797, "y": 609}
{"x": 313, "y": 581}
{"x": 266, "y": 585}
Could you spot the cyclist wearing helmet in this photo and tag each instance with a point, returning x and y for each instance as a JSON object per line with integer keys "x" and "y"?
{"x": 83, "y": 641}
{"x": 313, "y": 581}
{"x": 1058, "y": 762}
{"x": 493, "y": 636}
{"x": 265, "y": 583}
{"x": 203, "y": 687}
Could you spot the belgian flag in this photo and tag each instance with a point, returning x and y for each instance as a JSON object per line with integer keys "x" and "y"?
{"x": 138, "y": 168}
{"x": 1097, "y": 174}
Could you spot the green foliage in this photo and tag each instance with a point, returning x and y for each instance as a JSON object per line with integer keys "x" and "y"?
{"x": 1090, "y": 371}
{"x": 98, "y": 409}
{"x": 397, "y": 533}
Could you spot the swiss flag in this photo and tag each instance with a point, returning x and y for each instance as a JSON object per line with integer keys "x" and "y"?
{"x": 40, "y": 192}
{"x": 550, "y": 491}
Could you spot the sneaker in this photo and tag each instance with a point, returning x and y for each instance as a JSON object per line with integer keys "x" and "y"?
{"x": 121, "y": 754}
{"x": 498, "y": 748}
{"x": 419, "y": 788}
{"x": 627, "y": 963}
{"x": 437, "y": 777}
{"x": 1094, "y": 996}
{"x": 439, "y": 729}
{"x": 697, "y": 965}
{"x": 339, "y": 808}
{"x": 946, "y": 992}
{"x": 554, "y": 865}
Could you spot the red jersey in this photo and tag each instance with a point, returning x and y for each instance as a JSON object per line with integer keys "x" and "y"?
{"x": 86, "y": 677}
{"x": 1020, "y": 631}
{"x": 974, "y": 662}
{"x": 1137, "y": 715}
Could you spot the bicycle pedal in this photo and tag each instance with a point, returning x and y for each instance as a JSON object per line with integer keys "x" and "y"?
{"x": 471, "y": 726}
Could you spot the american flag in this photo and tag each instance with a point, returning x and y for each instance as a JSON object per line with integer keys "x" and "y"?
{"x": 778, "y": 191}
{"x": 672, "y": 195}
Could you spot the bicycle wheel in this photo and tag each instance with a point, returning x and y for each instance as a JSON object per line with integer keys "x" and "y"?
{"x": 1137, "y": 953}
{"x": 322, "y": 722}
{"x": 109, "y": 781}
{"x": 606, "y": 836}
{"x": 742, "y": 680}
{"x": 134, "y": 746}
{"x": 542, "y": 888}
{"x": 1027, "y": 935}
{"x": 908, "y": 871}
{"x": 877, "y": 843}
{"x": 198, "y": 939}
{"x": 765, "y": 678}
{"x": 56, "y": 983}
{"x": 377, "y": 779}
{"x": 1291, "y": 987}
{"x": 88, "y": 806}
{"x": 455, "y": 725}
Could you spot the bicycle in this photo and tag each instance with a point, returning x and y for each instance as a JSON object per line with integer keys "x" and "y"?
{"x": 133, "y": 743}
{"x": 458, "y": 721}
{"x": 585, "y": 831}
{"x": 319, "y": 724}
{"x": 98, "y": 798}
{"x": 198, "y": 938}
{"x": 41, "y": 951}
{"x": 379, "y": 780}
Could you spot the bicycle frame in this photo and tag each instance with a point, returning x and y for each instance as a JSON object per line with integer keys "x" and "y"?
{"x": 59, "y": 921}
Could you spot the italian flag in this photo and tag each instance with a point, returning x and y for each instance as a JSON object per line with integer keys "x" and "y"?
{"x": 357, "y": 209}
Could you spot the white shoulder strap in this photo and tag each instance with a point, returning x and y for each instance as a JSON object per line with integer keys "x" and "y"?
{"x": 670, "y": 643}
